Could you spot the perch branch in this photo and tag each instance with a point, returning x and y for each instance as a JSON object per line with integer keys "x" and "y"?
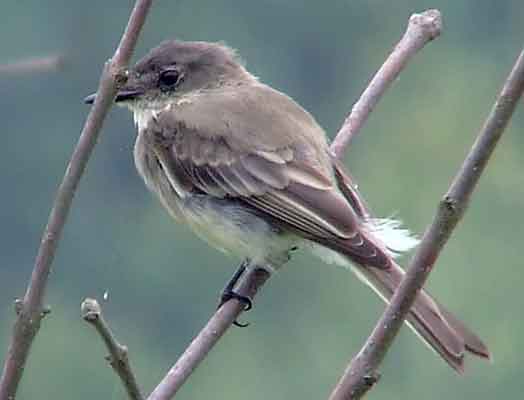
{"x": 208, "y": 336}
{"x": 30, "y": 310}
{"x": 422, "y": 28}
{"x": 118, "y": 354}
{"x": 362, "y": 371}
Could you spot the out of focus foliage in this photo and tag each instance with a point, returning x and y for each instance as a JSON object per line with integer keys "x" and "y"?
{"x": 163, "y": 282}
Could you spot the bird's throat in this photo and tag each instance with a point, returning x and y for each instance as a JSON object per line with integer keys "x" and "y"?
{"x": 142, "y": 117}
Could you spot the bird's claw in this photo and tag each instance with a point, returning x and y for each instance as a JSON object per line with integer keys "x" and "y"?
{"x": 228, "y": 293}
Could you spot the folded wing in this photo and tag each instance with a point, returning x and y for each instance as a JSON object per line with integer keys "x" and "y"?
{"x": 287, "y": 175}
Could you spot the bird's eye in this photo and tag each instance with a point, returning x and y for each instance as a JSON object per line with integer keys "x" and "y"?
{"x": 169, "y": 78}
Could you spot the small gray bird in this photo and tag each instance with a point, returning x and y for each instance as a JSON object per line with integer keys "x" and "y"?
{"x": 249, "y": 170}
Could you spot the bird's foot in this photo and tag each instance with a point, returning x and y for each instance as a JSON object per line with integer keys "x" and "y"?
{"x": 229, "y": 293}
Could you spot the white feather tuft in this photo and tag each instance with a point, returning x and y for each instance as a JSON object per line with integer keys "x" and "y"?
{"x": 388, "y": 232}
{"x": 396, "y": 239}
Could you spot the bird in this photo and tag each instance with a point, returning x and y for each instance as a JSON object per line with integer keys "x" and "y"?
{"x": 250, "y": 171}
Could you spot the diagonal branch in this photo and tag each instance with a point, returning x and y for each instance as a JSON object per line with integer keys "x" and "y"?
{"x": 118, "y": 354}
{"x": 421, "y": 30}
{"x": 208, "y": 336}
{"x": 362, "y": 371}
{"x": 30, "y": 310}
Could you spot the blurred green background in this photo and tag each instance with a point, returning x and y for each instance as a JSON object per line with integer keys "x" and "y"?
{"x": 311, "y": 318}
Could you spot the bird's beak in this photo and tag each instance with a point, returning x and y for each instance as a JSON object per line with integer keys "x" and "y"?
{"x": 122, "y": 95}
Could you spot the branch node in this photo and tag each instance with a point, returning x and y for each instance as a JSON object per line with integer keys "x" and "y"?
{"x": 90, "y": 310}
{"x": 430, "y": 22}
{"x": 450, "y": 203}
{"x": 19, "y": 306}
{"x": 121, "y": 76}
{"x": 46, "y": 310}
{"x": 452, "y": 209}
{"x": 119, "y": 73}
{"x": 371, "y": 378}
{"x": 121, "y": 354}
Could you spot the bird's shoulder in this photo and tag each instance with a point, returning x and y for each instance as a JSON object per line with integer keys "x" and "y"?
{"x": 247, "y": 116}
{"x": 249, "y": 130}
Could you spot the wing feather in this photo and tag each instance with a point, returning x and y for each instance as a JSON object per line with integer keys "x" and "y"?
{"x": 271, "y": 173}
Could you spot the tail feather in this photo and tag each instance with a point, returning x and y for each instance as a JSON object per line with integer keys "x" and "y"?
{"x": 435, "y": 325}
{"x": 471, "y": 341}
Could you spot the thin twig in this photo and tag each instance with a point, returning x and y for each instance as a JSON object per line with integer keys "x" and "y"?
{"x": 208, "y": 336}
{"x": 30, "y": 310}
{"x": 422, "y": 28}
{"x": 118, "y": 354}
{"x": 356, "y": 380}
{"x": 33, "y": 65}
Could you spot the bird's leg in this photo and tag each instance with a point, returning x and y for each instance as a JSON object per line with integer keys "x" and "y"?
{"x": 229, "y": 293}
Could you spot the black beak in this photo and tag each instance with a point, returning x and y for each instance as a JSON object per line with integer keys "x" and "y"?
{"x": 90, "y": 99}
{"x": 122, "y": 95}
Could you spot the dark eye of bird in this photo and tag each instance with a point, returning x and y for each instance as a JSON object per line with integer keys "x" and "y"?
{"x": 168, "y": 78}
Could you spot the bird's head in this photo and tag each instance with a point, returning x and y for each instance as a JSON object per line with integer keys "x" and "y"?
{"x": 175, "y": 69}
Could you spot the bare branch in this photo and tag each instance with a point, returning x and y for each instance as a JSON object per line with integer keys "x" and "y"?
{"x": 118, "y": 354}
{"x": 362, "y": 372}
{"x": 208, "y": 336}
{"x": 30, "y": 309}
{"x": 422, "y": 28}
{"x": 33, "y": 65}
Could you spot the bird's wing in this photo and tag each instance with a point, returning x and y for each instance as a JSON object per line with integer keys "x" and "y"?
{"x": 258, "y": 146}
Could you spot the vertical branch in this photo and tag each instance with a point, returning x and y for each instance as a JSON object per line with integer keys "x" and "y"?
{"x": 361, "y": 374}
{"x": 30, "y": 310}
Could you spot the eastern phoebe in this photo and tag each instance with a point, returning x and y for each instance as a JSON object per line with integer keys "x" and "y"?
{"x": 250, "y": 171}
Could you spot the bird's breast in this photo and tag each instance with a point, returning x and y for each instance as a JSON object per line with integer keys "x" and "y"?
{"x": 162, "y": 179}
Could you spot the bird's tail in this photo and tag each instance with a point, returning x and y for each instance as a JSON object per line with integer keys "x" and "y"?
{"x": 435, "y": 325}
